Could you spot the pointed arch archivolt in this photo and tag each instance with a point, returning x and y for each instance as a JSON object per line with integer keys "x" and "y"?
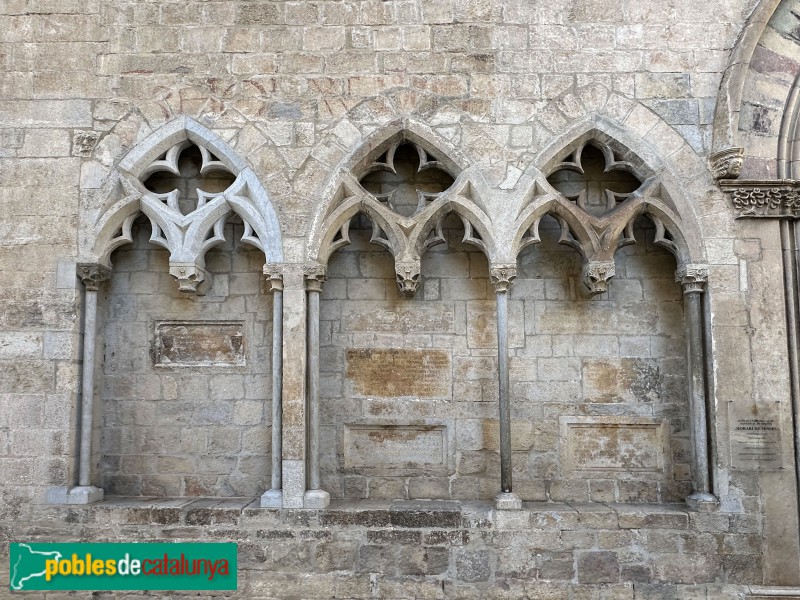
{"x": 407, "y": 238}
{"x": 187, "y": 236}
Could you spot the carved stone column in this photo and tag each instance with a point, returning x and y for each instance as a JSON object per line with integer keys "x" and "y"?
{"x": 693, "y": 278}
{"x": 92, "y": 275}
{"x": 315, "y": 497}
{"x": 273, "y": 498}
{"x": 501, "y": 276}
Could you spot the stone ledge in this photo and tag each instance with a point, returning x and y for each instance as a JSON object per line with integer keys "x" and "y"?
{"x": 407, "y": 514}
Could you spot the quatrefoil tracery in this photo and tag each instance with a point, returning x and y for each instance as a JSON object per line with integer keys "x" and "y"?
{"x": 595, "y": 179}
{"x": 406, "y": 178}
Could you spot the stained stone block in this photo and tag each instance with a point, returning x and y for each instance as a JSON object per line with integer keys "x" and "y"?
{"x": 598, "y": 567}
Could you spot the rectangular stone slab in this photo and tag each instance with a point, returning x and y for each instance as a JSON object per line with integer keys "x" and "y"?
{"x": 199, "y": 344}
{"x": 597, "y": 445}
{"x": 396, "y": 449}
{"x": 398, "y": 372}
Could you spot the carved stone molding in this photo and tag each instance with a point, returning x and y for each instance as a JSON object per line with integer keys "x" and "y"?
{"x": 92, "y": 275}
{"x": 693, "y": 278}
{"x": 502, "y": 276}
{"x": 274, "y": 274}
{"x": 726, "y": 164}
{"x": 314, "y": 276}
{"x": 755, "y": 198}
{"x": 596, "y": 274}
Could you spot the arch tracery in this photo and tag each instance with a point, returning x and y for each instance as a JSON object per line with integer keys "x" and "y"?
{"x": 186, "y": 234}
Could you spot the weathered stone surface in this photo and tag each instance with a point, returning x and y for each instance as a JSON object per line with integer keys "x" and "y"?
{"x": 399, "y": 372}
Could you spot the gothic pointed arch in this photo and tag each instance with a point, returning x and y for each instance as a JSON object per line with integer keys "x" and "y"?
{"x": 406, "y": 185}
{"x": 596, "y": 187}
{"x": 186, "y": 228}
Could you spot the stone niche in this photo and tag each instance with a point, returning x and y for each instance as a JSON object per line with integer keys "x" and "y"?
{"x": 598, "y": 387}
{"x": 186, "y": 383}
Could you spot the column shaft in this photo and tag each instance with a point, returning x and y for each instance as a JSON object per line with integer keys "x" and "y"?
{"x": 277, "y": 390}
{"x": 87, "y": 387}
{"x": 505, "y": 408}
{"x": 313, "y": 390}
{"x": 697, "y": 387}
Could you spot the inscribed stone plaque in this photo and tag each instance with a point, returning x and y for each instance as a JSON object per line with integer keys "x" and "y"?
{"x": 755, "y": 437}
{"x": 396, "y": 372}
{"x": 199, "y": 344}
{"x": 432, "y": 317}
{"x": 395, "y": 449}
{"x": 613, "y": 444}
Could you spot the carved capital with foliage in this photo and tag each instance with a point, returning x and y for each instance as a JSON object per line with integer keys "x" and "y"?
{"x": 92, "y": 275}
{"x": 314, "y": 276}
{"x": 502, "y": 276}
{"x": 274, "y": 275}
{"x": 693, "y": 278}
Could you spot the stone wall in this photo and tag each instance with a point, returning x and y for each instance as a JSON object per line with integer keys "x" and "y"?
{"x": 303, "y": 92}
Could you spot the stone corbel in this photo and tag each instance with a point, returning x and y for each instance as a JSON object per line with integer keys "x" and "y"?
{"x": 407, "y": 273}
{"x": 726, "y": 164}
{"x": 502, "y": 276}
{"x": 596, "y": 274}
{"x": 192, "y": 279}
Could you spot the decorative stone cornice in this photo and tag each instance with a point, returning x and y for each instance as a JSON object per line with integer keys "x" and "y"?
{"x": 502, "y": 276}
{"x": 693, "y": 278}
{"x": 726, "y": 164}
{"x": 314, "y": 276}
{"x": 92, "y": 275}
{"x": 274, "y": 275}
{"x": 764, "y": 198}
{"x": 596, "y": 274}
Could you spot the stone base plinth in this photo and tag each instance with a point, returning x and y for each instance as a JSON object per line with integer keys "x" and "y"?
{"x": 316, "y": 499}
{"x": 507, "y": 501}
{"x": 272, "y": 499}
{"x": 82, "y": 494}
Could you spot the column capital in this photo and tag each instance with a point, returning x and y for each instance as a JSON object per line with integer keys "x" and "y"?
{"x": 692, "y": 277}
{"x": 314, "y": 276}
{"x": 274, "y": 275}
{"x": 92, "y": 274}
{"x": 502, "y": 275}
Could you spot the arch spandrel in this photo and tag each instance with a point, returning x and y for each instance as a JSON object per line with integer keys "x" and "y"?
{"x": 187, "y": 236}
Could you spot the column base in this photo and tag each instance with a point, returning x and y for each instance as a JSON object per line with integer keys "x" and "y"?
{"x": 82, "y": 494}
{"x": 702, "y": 502}
{"x": 316, "y": 499}
{"x": 507, "y": 501}
{"x": 272, "y": 499}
